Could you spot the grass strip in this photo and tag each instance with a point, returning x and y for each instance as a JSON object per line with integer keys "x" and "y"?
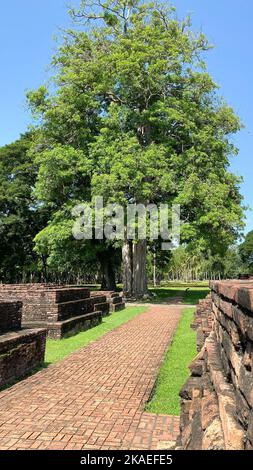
{"x": 174, "y": 371}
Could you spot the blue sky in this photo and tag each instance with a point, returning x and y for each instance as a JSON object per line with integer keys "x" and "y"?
{"x": 27, "y": 30}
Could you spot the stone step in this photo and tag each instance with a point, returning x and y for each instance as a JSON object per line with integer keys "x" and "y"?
{"x": 69, "y": 327}
{"x": 117, "y": 307}
{"x": 115, "y": 300}
{"x": 103, "y": 307}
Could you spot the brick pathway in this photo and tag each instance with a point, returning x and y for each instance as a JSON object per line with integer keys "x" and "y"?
{"x": 94, "y": 399}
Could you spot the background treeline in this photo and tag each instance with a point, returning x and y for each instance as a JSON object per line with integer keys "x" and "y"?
{"x": 22, "y": 217}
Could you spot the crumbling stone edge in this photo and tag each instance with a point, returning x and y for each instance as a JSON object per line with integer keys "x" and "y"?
{"x": 217, "y": 399}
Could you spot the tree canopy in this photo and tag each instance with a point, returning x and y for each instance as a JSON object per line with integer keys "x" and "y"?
{"x": 134, "y": 116}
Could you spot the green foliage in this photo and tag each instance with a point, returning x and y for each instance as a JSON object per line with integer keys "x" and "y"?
{"x": 20, "y": 216}
{"x": 61, "y": 176}
{"x": 246, "y": 252}
{"x": 174, "y": 371}
{"x": 187, "y": 263}
{"x": 233, "y": 264}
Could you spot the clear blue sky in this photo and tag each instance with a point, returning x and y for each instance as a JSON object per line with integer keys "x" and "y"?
{"x": 27, "y": 28}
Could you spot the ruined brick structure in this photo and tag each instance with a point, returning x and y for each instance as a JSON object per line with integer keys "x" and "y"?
{"x": 21, "y": 350}
{"x": 10, "y": 316}
{"x": 217, "y": 400}
{"x": 62, "y": 310}
{"x": 114, "y": 299}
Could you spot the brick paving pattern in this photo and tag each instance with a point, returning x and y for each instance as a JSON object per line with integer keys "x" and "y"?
{"x": 95, "y": 398}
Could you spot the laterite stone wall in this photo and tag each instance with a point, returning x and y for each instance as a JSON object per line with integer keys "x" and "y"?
{"x": 217, "y": 400}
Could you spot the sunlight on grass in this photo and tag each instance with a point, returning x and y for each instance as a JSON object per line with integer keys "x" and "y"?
{"x": 57, "y": 350}
{"x": 174, "y": 371}
{"x": 187, "y": 294}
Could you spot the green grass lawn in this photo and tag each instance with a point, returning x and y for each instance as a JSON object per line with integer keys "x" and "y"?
{"x": 187, "y": 293}
{"x": 57, "y": 350}
{"x": 174, "y": 370}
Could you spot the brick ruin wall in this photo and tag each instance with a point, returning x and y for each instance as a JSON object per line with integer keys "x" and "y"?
{"x": 63, "y": 310}
{"x": 114, "y": 299}
{"x": 20, "y": 350}
{"x": 47, "y": 302}
{"x": 217, "y": 399}
{"x": 20, "y": 353}
{"x": 10, "y": 316}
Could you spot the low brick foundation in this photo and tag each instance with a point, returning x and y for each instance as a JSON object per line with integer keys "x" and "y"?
{"x": 69, "y": 327}
{"x": 114, "y": 299}
{"x": 20, "y": 350}
{"x": 217, "y": 400}
{"x": 45, "y": 302}
{"x": 62, "y": 310}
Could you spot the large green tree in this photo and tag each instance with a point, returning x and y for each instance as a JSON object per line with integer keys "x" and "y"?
{"x": 135, "y": 117}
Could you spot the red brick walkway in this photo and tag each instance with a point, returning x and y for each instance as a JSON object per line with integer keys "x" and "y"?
{"x": 94, "y": 399}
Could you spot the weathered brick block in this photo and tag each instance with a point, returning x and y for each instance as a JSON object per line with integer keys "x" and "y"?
{"x": 71, "y": 326}
{"x": 20, "y": 352}
{"x": 10, "y": 316}
{"x": 227, "y": 364}
{"x": 114, "y": 299}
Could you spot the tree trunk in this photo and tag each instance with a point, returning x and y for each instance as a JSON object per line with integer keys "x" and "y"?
{"x": 140, "y": 287}
{"x": 44, "y": 268}
{"x": 127, "y": 253}
{"x": 134, "y": 268}
{"x": 108, "y": 281}
{"x": 154, "y": 269}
